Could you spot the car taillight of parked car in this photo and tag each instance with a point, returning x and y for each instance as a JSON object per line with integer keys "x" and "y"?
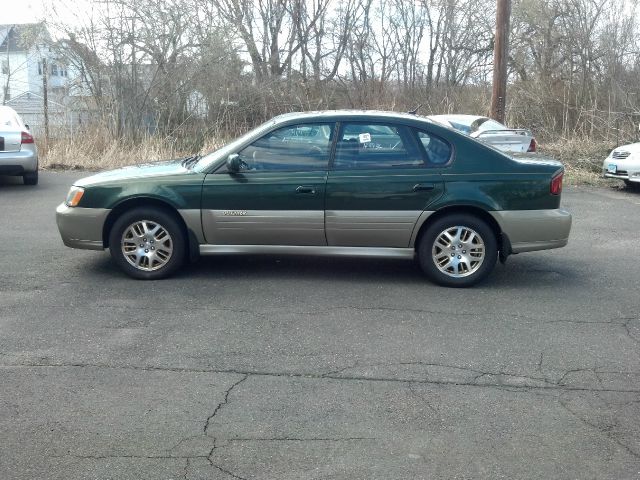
{"x": 533, "y": 145}
{"x": 27, "y": 138}
{"x": 556, "y": 184}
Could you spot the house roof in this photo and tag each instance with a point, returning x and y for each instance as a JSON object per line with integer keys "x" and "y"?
{"x": 30, "y": 102}
{"x": 20, "y": 37}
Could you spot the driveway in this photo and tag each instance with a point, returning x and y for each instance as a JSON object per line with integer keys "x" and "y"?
{"x": 296, "y": 368}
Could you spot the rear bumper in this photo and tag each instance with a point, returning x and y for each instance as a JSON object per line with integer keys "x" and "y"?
{"x": 81, "y": 227}
{"x": 19, "y": 163}
{"x": 530, "y": 230}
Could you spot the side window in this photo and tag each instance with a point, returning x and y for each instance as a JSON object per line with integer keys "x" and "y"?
{"x": 437, "y": 150}
{"x": 303, "y": 147}
{"x": 368, "y": 146}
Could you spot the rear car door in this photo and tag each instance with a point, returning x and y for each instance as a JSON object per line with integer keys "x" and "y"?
{"x": 278, "y": 196}
{"x": 380, "y": 182}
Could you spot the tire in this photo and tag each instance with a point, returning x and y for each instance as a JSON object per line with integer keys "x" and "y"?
{"x": 30, "y": 178}
{"x": 475, "y": 241}
{"x": 154, "y": 239}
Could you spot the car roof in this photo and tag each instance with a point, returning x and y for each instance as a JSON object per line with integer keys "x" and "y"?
{"x": 332, "y": 114}
{"x": 458, "y": 117}
{"x": 5, "y": 110}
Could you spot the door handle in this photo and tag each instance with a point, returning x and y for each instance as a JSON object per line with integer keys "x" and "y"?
{"x": 306, "y": 189}
{"x": 421, "y": 187}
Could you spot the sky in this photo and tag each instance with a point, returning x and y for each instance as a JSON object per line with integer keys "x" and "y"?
{"x": 31, "y": 11}
{"x": 22, "y": 11}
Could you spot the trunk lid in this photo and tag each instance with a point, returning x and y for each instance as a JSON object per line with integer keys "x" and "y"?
{"x": 506, "y": 140}
{"x": 10, "y": 139}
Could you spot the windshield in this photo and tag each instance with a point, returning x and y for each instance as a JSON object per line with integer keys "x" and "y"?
{"x": 206, "y": 161}
{"x": 483, "y": 124}
{"x": 461, "y": 126}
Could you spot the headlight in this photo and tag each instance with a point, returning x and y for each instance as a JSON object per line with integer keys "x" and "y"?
{"x": 74, "y": 196}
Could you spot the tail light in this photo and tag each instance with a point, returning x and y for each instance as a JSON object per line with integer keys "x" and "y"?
{"x": 27, "y": 138}
{"x": 556, "y": 184}
{"x": 533, "y": 145}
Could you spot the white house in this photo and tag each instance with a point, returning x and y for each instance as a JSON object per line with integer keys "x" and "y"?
{"x": 24, "y": 52}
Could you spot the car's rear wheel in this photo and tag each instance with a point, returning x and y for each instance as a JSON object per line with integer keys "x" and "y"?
{"x": 458, "y": 250}
{"x": 147, "y": 243}
{"x": 30, "y": 178}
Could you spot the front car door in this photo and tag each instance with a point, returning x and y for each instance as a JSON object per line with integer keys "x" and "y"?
{"x": 278, "y": 196}
{"x": 381, "y": 181}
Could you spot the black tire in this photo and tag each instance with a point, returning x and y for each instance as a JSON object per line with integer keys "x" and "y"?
{"x": 425, "y": 250}
{"x": 169, "y": 224}
{"x": 30, "y": 178}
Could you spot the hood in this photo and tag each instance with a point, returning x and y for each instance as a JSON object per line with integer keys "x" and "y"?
{"x": 631, "y": 148}
{"x": 144, "y": 170}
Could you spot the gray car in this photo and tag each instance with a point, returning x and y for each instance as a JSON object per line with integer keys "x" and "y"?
{"x": 18, "y": 152}
{"x": 512, "y": 140}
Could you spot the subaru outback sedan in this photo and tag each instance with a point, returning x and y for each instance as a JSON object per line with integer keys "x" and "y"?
{"x": 356, "y": 183}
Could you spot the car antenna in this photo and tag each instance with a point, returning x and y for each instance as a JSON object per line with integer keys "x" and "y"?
{"x": 415, "y": 110}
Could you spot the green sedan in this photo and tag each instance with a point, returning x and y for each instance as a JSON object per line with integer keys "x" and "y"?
{"x": 355, "y": 183}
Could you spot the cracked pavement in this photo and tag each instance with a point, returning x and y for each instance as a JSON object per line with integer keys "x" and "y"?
{"x": 295, "y": 368}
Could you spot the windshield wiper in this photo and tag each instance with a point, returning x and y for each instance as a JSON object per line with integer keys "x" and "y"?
{"x": 189, "y": 161}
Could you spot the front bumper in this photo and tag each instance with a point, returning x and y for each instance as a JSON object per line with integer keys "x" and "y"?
{"x": 81, "y": 227}
{"x": 626, "y": 169}
{"x": 530, "y": 230}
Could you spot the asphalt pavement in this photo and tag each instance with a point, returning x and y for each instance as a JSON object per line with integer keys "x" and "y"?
{"x": 268, "y": 367}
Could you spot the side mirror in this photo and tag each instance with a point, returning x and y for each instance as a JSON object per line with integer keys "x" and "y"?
{"x": 234, "y": 164}
{"x": 26, "y": 125}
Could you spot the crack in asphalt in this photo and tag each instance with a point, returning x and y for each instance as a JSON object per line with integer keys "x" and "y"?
{"x": 107, "y": 457}
{"x": 223, "y": 403}
{"x": 606, "y": 431}
{"x": 185, "y": 475}
{"x": 299, "y": 439}
{"x": 548, "y": 384}
{"x": 227, "y": 472}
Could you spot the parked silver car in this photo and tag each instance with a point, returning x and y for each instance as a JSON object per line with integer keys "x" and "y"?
{"x": 489, "y": 131}
{"x": 624, "y": 163}
{"x": 18, "y": 152}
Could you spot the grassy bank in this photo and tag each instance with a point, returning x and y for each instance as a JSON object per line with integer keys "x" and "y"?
{"x": 582, "y": 158}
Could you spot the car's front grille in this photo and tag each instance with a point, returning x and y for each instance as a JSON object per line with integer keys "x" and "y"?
{"x": 620, "y": 155}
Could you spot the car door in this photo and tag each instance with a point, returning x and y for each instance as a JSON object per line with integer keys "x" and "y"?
{"x": 277, "y": 198}
{"x": 380, "y": 183}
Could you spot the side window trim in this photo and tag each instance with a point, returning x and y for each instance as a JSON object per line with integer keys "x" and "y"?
{"x": 405, "y": 132}
{"x": 332, "y": 141}
{"x": 427, "y": 162}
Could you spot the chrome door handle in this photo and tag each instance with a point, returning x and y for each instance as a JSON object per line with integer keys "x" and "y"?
{"x": 306, "y": 189}
{"x": 420, "y": 187}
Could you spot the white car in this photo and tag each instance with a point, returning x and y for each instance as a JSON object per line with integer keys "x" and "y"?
{"x": 624, "y": 163}
{"x": 489, "y": 131}
{"x": 18, "y": 152}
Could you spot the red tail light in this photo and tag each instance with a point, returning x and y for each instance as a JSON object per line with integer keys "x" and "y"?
{"x": 556, "y": 184}
{"x": 533, "y": 145}
{"x": 27, "y": 138}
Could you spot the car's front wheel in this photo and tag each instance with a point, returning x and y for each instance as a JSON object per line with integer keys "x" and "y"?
{"x": 458, "y": 250}
{"x": 147, "y": 243}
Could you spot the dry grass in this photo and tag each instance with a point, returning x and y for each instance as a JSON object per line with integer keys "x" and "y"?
{"x": 582, "y": 159}
{"x": 98, "y": 151}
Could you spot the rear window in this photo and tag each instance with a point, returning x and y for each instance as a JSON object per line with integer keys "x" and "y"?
{"x": 8, "y": 120}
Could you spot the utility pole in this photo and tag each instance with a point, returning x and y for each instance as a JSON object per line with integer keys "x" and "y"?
{"x": 46, "y": 100}
{"x": 501, "y": 47}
